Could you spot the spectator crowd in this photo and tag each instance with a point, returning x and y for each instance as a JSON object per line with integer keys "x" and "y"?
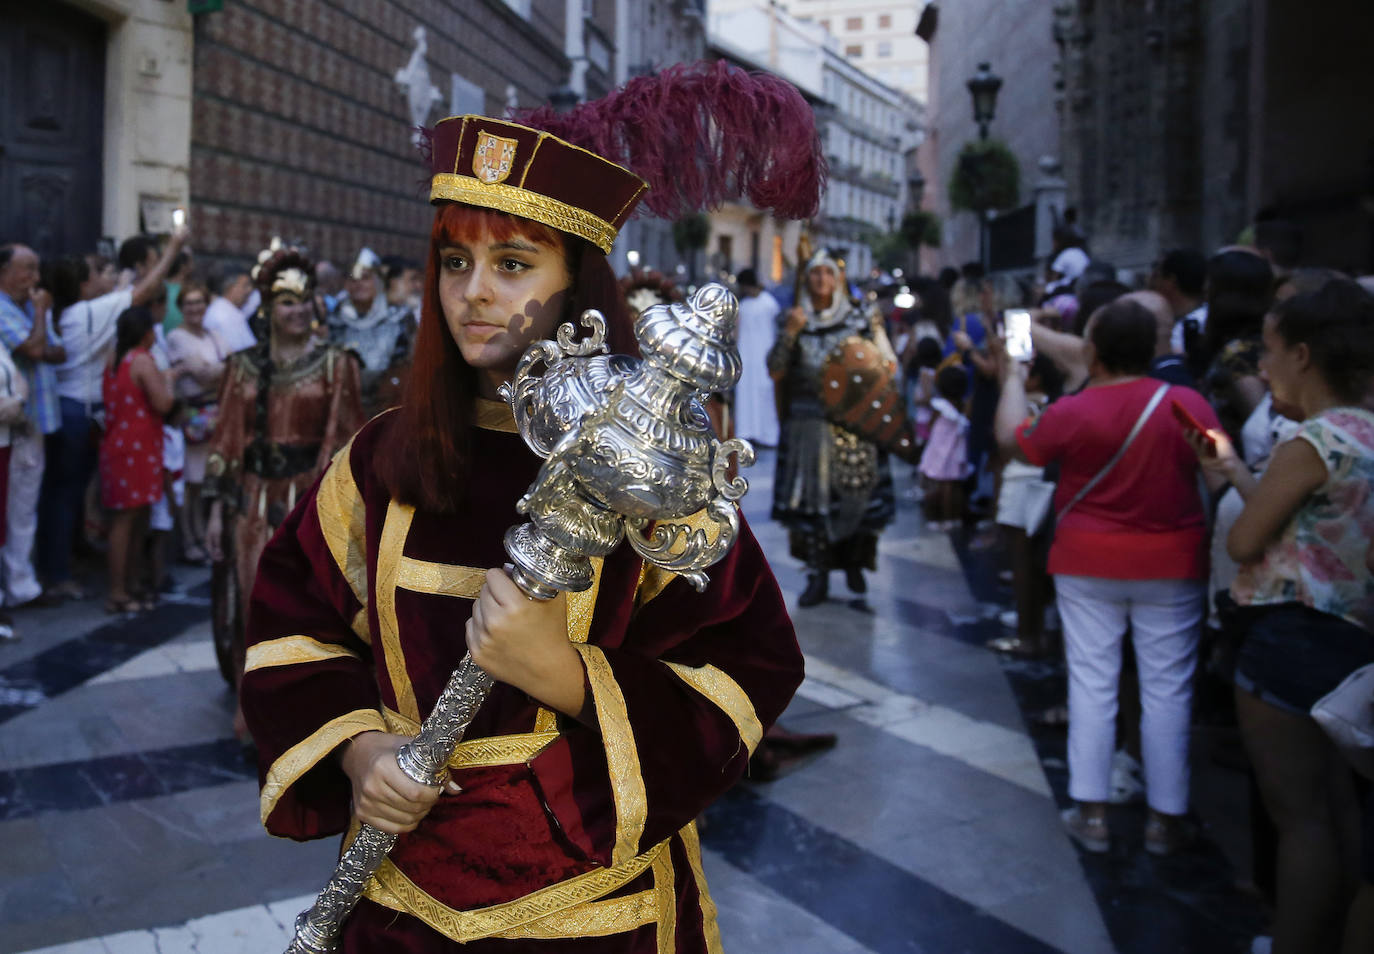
{"x": 1179, "y": 474}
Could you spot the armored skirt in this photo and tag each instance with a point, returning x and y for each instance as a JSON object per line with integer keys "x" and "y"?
{"x": 566, "y": 837}
{"x": 832, "y": 489}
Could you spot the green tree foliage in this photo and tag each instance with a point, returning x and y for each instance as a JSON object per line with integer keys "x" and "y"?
{"x": 986, "y": 176}
{"x": 921, "y": 228}
{"x": 691, "y": 233}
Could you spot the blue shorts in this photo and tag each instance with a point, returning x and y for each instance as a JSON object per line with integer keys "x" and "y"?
{"x": 1293, "y": 655}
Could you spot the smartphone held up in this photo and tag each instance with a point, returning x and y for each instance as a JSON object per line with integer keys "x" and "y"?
{"x": 1016, "y": 324}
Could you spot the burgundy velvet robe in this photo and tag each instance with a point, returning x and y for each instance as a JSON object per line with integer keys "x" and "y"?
{"x": 564, "y": 838}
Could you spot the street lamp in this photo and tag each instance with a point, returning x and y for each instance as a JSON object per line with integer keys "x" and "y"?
{"x": 984, "y": 86}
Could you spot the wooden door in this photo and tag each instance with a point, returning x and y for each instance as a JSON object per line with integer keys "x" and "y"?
{"x": 52, "y": 106}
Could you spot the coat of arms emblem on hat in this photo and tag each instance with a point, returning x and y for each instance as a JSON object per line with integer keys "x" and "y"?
{"x": 492, "y": 159}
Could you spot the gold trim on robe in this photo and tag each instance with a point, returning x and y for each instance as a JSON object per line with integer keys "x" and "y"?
{"x": 550, "y": 906}
{"x": 665, "y": 889}
{"x": 580, "y": 609}
{"x": 343, "y": 522}
{"x": 622, "y": 755}
{"x": 494, "y": 416}
{"x": 710, "y": 926}
{"x": 480, "y": 753}
{"x": 291, "y": 651}
{"x": 727, "y": 695}
{"x": 653, "y": 580}
{"x": 307, "y": 753}
{"x": 395, "y": 529}
{"x": 440, "y": 579}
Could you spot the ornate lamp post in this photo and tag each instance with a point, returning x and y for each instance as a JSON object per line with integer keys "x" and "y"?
{"x": 983, "y": 86}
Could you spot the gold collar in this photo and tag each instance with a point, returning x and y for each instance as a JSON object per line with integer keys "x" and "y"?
{"x": 494, "y": 416}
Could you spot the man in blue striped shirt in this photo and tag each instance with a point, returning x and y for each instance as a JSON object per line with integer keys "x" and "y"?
{"x": 25, "y": 331}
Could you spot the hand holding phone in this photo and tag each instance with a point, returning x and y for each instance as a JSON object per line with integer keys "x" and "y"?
{"x": 1190, "y": 423}
{"x": 1017, "y": 322}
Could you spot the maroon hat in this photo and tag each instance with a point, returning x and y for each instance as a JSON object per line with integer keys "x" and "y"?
{"x": 501, "y": 165}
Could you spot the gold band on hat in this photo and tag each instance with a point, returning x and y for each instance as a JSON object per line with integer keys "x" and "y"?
{"x": 456, "y": 187}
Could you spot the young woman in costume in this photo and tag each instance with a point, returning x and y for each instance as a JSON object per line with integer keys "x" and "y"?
{"x": 286, "y": 406}
{"x": 619, "y": 713}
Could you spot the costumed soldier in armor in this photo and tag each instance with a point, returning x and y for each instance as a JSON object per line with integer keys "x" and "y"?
{"x": 379, "y": 331}
{"x": 833, "y": 489}
{"x": 617, "y": 714}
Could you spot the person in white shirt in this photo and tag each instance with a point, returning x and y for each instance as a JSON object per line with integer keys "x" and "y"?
{"x": 1180, "y": 276}
{"x": 87, "y": 309}
{"x": 232, "y": 307}
{"x": 756, "y": 411}
{"x": 14, "y": 390}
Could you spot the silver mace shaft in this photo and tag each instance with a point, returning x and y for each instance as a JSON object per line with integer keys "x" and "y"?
{"x": 424, "y": 759}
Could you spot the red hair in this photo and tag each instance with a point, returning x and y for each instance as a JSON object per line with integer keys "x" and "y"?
{"x": 424, "y": 459}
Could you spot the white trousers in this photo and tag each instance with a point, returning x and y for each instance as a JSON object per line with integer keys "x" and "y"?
{"x": 1164, "y": 617}
{"x": 21, "y": 518}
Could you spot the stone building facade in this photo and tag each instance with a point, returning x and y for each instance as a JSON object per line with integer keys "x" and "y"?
{"x": 1184, "y": 119}
{"x": 1016, "y": 39}
{"x": 305, "y": 111}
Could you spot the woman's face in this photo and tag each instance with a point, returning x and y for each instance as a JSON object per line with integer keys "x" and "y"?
{"x": 820, "y": 281}
{"x": 500, "y": 295}
{"x": 291, "y": 315}
{"x": 1281, "y": 364}
{"x": 193, "y": 310}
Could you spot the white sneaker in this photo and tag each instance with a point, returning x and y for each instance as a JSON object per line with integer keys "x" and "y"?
{"x": 1008, "y": 618}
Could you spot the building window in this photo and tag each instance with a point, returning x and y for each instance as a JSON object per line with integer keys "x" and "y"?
{"x": 466, "y": 97}
{"x": 825, "y": 25}
{"x": 884, "y": 21}
{"x": 884, "y": 48}
{"x": 854, "y": 49}
{"x": 853, "y": 23}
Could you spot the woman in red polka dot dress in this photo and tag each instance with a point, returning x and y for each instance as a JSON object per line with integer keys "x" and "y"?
{"x": 137, "y": 396}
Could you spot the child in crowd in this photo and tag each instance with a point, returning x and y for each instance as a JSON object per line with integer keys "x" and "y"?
{"x": 944, "y": 462}
{"x": 928, "y": 355}
{"x": 167, "y": 514}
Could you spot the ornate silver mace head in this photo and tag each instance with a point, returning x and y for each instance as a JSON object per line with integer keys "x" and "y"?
{"x": 627, "y": 444}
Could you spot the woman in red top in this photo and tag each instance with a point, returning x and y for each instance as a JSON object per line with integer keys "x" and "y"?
{"x": 137, "y": 396}
{"x": 1129, "y": 550}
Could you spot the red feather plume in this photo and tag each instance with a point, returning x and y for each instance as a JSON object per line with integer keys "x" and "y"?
{"x": 702, "y": 134}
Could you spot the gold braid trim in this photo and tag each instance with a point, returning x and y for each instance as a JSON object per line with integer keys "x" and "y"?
{"x": 594, "y": 919}
{"x": 395, "y": 529}
{"x": 480, "y": 753}
{"x": 710, "y": 928}
{"x": 654, "y": 579}
{"x": 727, "y": 695}
{"x": 306, "y": 754}
{"x": 665, "y": 890}
{"x": 495, "y": 416}
{"x": 622, "y": 756}
{"x": 440, "y": 579}
{"x": 343, "y": 521}
{"x": 525, "y": 203}
{"x": 291, "y": 651}
{"x": 580, "y": 609}
{"x": 392, "y": 889}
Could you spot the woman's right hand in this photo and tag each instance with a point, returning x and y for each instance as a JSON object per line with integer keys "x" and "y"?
{"x": 214, "y": 533}
{"x": 796, "y": 321}
{"x": 384, "y": 796}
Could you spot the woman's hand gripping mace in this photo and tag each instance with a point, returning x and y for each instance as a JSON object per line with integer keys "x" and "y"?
{"x": 628, "y": 450}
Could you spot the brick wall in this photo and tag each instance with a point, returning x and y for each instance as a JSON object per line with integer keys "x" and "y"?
{"x": 300, "y": 130}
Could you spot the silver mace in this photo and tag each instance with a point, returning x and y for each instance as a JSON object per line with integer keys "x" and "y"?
{"x": 627, "y": 450}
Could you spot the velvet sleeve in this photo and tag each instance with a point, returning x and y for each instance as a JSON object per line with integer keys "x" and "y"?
{"x": 308, "y": 683}
{"x": 680, "y": 704}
